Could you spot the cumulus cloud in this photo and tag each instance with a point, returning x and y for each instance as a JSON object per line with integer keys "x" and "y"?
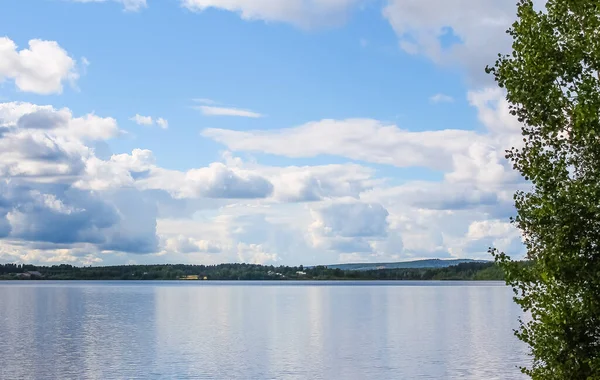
{"x": 424, "y": 219}
{"x": 142, "y": 120}
{"x": 303, "y": 13}
{"x": 62, "y": 200}
{"x": 494, "y": 114}
{"x": 80, "y": 254}
{"x": 163, "y": 123}
{"x": 352, "y": 219}
{"x": 500, "y": 234}
{"x": 436, "y": 195}
{"x": 139, "y": 170}
{"x": 43, "y": 153}
{"x": 148, "y": 120}
{"x": 214, "y": 181}
{"x": 242, "y": 232}
{"x": 465, "y": 33}
{"x": 185, "y": 244}
{"x": 58, "y": 215}
{"x": 61, "y": 215}
{"x": 484, "y": 161}
{"x": 458, "y": 33}
{"x": 42, "y": 68}
{"x": 61, "y": 121}
{"x": 232, "y": 179}
{"x": 316, "y": 183}
{"x": 348, "y": 226}
{"x": 43, "y": 142}
{"x": 255, "y": 254}
{"x": 463, "y": 155}
{"x": 128, "y": 5}
{"x": 219, "y": 181}
{"x": 136, "y": 230}
{"x": 59, "y": 200}
{"x": 490, "y": 228}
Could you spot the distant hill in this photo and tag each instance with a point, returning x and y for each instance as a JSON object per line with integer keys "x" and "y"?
{"x": 429, "y": 263}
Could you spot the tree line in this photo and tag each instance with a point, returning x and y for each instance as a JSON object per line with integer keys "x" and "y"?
{"x": 228, "y": 272}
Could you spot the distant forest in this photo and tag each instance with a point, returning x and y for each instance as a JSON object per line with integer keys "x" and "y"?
{"x": 463, "y": 271}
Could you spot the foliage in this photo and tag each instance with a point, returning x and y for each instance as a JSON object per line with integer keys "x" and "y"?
{"x": 553, "y": 87}
{"x": 465, "y": 271}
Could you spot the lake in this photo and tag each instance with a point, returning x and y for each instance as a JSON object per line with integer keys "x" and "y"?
{"x": 258, "y": 330}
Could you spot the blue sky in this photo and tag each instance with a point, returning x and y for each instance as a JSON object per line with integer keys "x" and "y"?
{"x": 290, "y": 131}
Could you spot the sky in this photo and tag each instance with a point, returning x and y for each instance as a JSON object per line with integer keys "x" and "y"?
{"x": 279, "y": 132}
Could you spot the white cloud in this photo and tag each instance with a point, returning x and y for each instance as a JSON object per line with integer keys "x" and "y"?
{"x": 425, "y": 219}
{"x": 494, "y": 114}
{"x": 462, "y": 154}
{"x": 61, "y": 122}
{"x": 84, "y": 254}
{"x": 52, "y": 203}
{"x": 142, "y": 120}
{"x": 138, "y": 170}
{"x": 215, "y": 181}
{"x": 316, "y": 183}
{"x": 45, "y": 143}
{"x": 57, "y": 215}
{"x": 255, "y": 254}
{"x": 205, "y": 101}
{"x": 436, "y": 195}
{"x": 303, "y": 13}
{"x": 490, "y": 228}
{"x": 148, "y": 120}
{"x": 233, "y": 179}
{"x": 502, "y": 235}
{"x": 441, "y": 98}
{"x": 163, "y": 123}
{"x": 484, "y": 161}
{"x": 128, "y": 5}
{"x": 477, "y": 28}
{"x": 359, "y": 139}
{"x": 117, "y": 172}
{"x": 43, "y": 151}
{"x": 227, "y": 111}
{"x": 41, "y": 69}
{"x": 184, "y": 244}
{"x": 348, "y": 226}
{"x": 60, "y": 202}
{"x": 245, "y": 233}
{"x": 351, "y": 218}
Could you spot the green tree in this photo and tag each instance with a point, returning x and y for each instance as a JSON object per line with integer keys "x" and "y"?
{"x": 553, "y": 87}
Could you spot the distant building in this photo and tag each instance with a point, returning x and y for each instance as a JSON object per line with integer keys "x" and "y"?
{"x": 190, "y": 277}
{"x": 301, "y": 273}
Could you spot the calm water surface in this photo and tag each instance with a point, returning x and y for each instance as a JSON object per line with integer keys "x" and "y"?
{"x": 220, "y": 330}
